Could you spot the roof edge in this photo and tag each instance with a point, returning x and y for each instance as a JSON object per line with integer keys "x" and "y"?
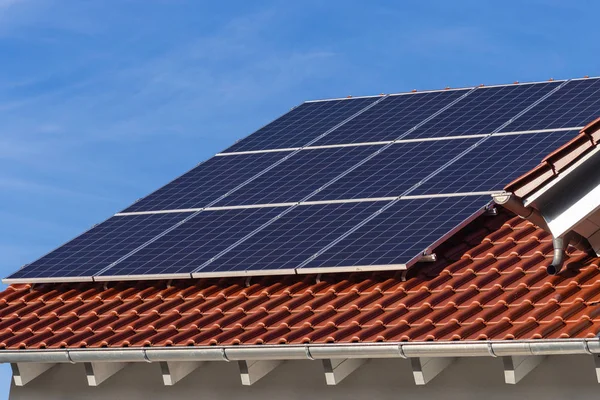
{"x": 488, "y": 348}
{"x": 557, "y": 162}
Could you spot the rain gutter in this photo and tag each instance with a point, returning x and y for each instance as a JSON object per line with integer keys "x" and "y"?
{"x": 311, "y": 352}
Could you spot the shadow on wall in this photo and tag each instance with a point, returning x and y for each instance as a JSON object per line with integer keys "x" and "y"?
{"x": 558, "y": 377}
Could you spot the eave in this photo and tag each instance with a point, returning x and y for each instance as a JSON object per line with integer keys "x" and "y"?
{"x": 338, "y": 361}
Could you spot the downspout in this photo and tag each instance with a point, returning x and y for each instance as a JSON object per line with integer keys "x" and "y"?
{"x": 560, "y": 244}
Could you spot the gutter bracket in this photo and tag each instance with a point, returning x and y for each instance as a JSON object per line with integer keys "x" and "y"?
{"x": 401, "y": 352}
{"x": 224, "y": 355}
{"x": 308, "y": 354}
{"x": 491, "y": 350}
{"x": 69, "y": 357}
{"x": 146, "y": 356}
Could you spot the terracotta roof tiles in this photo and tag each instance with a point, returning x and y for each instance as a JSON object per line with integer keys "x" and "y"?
{"x": 489, "y": 282}
{"x": 557, "y": 161}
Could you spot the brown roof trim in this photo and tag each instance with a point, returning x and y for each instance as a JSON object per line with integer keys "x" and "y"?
{"x": 489, "y": 283}
{"x": 557, "y": 161}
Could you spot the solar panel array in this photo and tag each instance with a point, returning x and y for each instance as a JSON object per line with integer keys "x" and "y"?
{"x": 335, "y": 185}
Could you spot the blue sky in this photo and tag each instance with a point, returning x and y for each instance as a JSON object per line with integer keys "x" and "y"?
{"x": 103, "y": 101}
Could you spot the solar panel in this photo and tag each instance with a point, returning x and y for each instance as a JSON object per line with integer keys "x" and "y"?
{"x": 294, "y": 179}
{"x": 194, "y": 242}
{"x": 400, "y": 234}
{"x": 391, "y": 118}
{"x": 301, "y": 125}
{"x": 350, "y": 221}
{"x": 575, "y": 104}
{"x": 395, "y": 170}
{"x": 207, "y": 182}
{"x": 495, "y": 163}
{"x": 97, "y": 248}
{"x": 294, "y": 237}
{"x": 484, "y": 110}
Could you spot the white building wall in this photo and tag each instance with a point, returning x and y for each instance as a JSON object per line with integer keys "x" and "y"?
{"x": 559, "y": 377}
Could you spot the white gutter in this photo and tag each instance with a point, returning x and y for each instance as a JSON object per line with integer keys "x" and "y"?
{"x": 312, "y": 352}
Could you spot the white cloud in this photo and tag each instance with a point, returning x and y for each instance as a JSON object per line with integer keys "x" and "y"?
{"x": 170, "y": 91}
{"x": 79, "y": 117}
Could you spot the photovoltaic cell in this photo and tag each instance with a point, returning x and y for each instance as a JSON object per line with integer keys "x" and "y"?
{"x": 495, "y": 163}
{"x": 484, "y": 110}
{"x": 400, "y": 233}
{"x": 206, "y": 182}
{"x": 393, "y": 237}
{"x": 301, "y": 125}
{"x": 575, "y": 104}
{"x": 297, "y": 177}
{"x": 391, "y": 118}
{"x": 294, "y": 237}
{"x": 194, "y": 242}
{"x": 395, "y": 169}
{"x": 100, "y": 246}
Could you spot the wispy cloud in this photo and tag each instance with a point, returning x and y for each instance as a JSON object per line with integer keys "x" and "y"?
{"x": 82, "y": 121}
{"x": 169, "y": 90}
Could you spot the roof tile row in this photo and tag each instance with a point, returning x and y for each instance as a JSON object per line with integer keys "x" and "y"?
{"x": 557, "y": 161}
{"x": 489, "y": 282}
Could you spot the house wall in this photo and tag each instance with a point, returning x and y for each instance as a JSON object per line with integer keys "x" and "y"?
{"x": 559, "y": 377}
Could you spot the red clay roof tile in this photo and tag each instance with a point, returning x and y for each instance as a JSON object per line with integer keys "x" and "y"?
{"x": 557, "y": 161}
{"x": 489, "y": 283}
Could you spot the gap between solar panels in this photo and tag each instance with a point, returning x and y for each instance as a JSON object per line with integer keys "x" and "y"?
{"x": 312, "y": 202}
{"x": 341, "y": 145}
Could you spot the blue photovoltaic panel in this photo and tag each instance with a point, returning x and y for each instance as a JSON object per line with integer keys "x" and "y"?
{"x": 400, "y": 233}
{"x": 206, "y": 182}
{"x": 484, "y": 110}
{"x": 301, "y": 125}
{"x": 194, "y": 242}
{"x": 205, "y": 242}
{"x": 297, "y": 177}
{"x": 391, "y": 118}
{"x": 495, "y": 163}
{"x": 100, "y": 246}
{"x": 575, "y": 104}
{"x": 395, "y": 169}
{"x": 294, "y": 237}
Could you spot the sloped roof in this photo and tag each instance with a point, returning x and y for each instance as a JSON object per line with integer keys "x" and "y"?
{"x": 557, "y": 161}
{"x": 490, "y": 282}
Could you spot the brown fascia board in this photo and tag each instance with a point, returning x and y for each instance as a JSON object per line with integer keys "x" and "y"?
{"x": 557, "y": 161}
{"x": 568, "y": 153}
{"x": 531, "y": 181}
{"x": 593, "y": 131}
